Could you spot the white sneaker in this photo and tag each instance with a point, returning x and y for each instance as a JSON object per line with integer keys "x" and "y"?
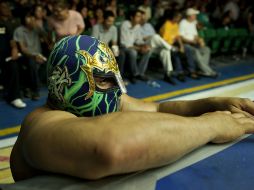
{"x": 18, "y": 103}
{"x": 1, "y": 87}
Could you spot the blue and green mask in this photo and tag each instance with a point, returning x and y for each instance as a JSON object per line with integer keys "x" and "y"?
{"x": 72, "y": 66}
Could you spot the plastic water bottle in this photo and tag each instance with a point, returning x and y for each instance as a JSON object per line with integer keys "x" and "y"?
{"x": 153, "y": 84}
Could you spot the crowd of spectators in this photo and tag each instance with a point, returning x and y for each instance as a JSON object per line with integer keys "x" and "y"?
{"x": 135, "y": 30}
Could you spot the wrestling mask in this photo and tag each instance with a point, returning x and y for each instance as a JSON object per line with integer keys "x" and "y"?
{"x": 73, "y": 67}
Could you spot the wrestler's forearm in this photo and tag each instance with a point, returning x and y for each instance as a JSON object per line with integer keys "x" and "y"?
{"x": 183, "y": 108}
{"x": 147, "y": 140}
{"x": 188, "y": 108}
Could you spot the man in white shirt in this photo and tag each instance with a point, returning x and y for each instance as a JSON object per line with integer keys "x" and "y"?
{"x": 132, "y": 44}
{"x": 201, "y": 52}
{"x": 233, "y": 7}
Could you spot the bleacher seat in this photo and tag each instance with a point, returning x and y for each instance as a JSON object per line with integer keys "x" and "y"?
{"x": 222, "y": 35}
{"x": 211, "y": 39}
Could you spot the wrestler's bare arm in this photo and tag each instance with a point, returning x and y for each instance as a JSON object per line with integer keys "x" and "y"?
{"x": 190, "y": 107}
{"x": 121, "y": 142}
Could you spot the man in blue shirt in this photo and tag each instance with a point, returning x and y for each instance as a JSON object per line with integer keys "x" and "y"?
{"x": 132, "y": 44}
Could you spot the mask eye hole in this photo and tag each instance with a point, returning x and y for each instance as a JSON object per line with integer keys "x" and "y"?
{"x": 105, "y": 83}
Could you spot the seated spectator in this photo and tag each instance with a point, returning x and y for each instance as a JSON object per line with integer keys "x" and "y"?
{"x": 159, "y": 46}
{"x": 28, "y": 39}
{"x": 8, "y": 57}
{"x": 226, "y": 21}
{"x": 170, "y": 33}
{"x": 201, "y": 52}
{"x": 132, "y": 44}
{"x": 233, "y": 7}
{"x": 216, "y": 9}
{"x": 74, "y": 4}
{"x": 98, "y": 16}
{"x": 42, "y": 25}
{"x": 120, "y": 16}
{"x": 65, "y": 22}
{"x": 107, "y": 33}
{"x": 175, "y": 5}
{"x": 40, "y": 17}
{"x": 112, "y": 6}
{"x": 250, "y": 20}
{"x": 21, "y": 7}
{"x": 84, "y": 13}
{"x": 147, "y": 9}
{"x": 203, "y": 17}
{"x": 159, "y": 8}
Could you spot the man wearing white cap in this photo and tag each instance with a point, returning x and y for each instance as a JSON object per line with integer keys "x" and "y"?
{"x": 188, "y": 31}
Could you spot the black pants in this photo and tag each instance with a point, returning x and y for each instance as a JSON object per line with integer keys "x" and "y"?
{"x": 11, "y": 80}
{"x": 31, "y": 76}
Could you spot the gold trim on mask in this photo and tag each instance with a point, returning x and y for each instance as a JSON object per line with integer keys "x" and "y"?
{"x": 103, "y": 60}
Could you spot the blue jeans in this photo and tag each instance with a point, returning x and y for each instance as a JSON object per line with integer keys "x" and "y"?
{"x": 132, "y": 56}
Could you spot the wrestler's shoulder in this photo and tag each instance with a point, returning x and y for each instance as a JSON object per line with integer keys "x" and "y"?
{"x": 44, "y": 114}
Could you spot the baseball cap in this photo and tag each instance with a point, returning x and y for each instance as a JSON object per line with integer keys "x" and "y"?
{"x": 191, "y": 11}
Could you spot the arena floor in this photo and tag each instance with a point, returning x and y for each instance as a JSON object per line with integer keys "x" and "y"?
{"x": 227, "y": 166}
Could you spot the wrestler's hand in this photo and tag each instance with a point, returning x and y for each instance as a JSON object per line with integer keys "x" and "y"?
{"x": 235, "y": 105}
{"x": 229, "y": 126}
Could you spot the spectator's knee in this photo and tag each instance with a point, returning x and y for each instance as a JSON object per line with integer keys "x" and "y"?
{"x": 156, "y": 37}
{"x": 133, "y": 53}
{"x": 207, "y": 49}
{"x": 164, "y": 52}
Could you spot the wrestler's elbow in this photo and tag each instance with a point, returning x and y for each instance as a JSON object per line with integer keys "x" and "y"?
{"x": 108, "y": 159}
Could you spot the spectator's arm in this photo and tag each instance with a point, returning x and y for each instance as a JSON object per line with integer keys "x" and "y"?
{"x": 115, "y": 36}
{"x": 191, "y": 42}
{"x": 14, "y": 50}
{"x": 151, "y": 29}
{"x": 51, "y": 34}
{"x": 24, "y": 50}
{"x": 139, "y": 38}
{"x": 43, "y": 35}
{"x": 180, "y": 42}
{"x": 250, "y": 24}
{"x": 95, "y": 31}
{"x": 151, "y": 32}
{"x": 124, "y": 35}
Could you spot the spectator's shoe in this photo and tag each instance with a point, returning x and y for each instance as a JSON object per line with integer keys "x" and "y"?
{"x": 1, "y": 87}
{"x": 35, "y": 96}
{"x": 181, "y": 77}
{"x": 169, "y": 80}
{"x": 194, "y": 76}
{"x": 18, "y": 103}
{"x": 214, "y": 75}
{"x": 142, "y": 78}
